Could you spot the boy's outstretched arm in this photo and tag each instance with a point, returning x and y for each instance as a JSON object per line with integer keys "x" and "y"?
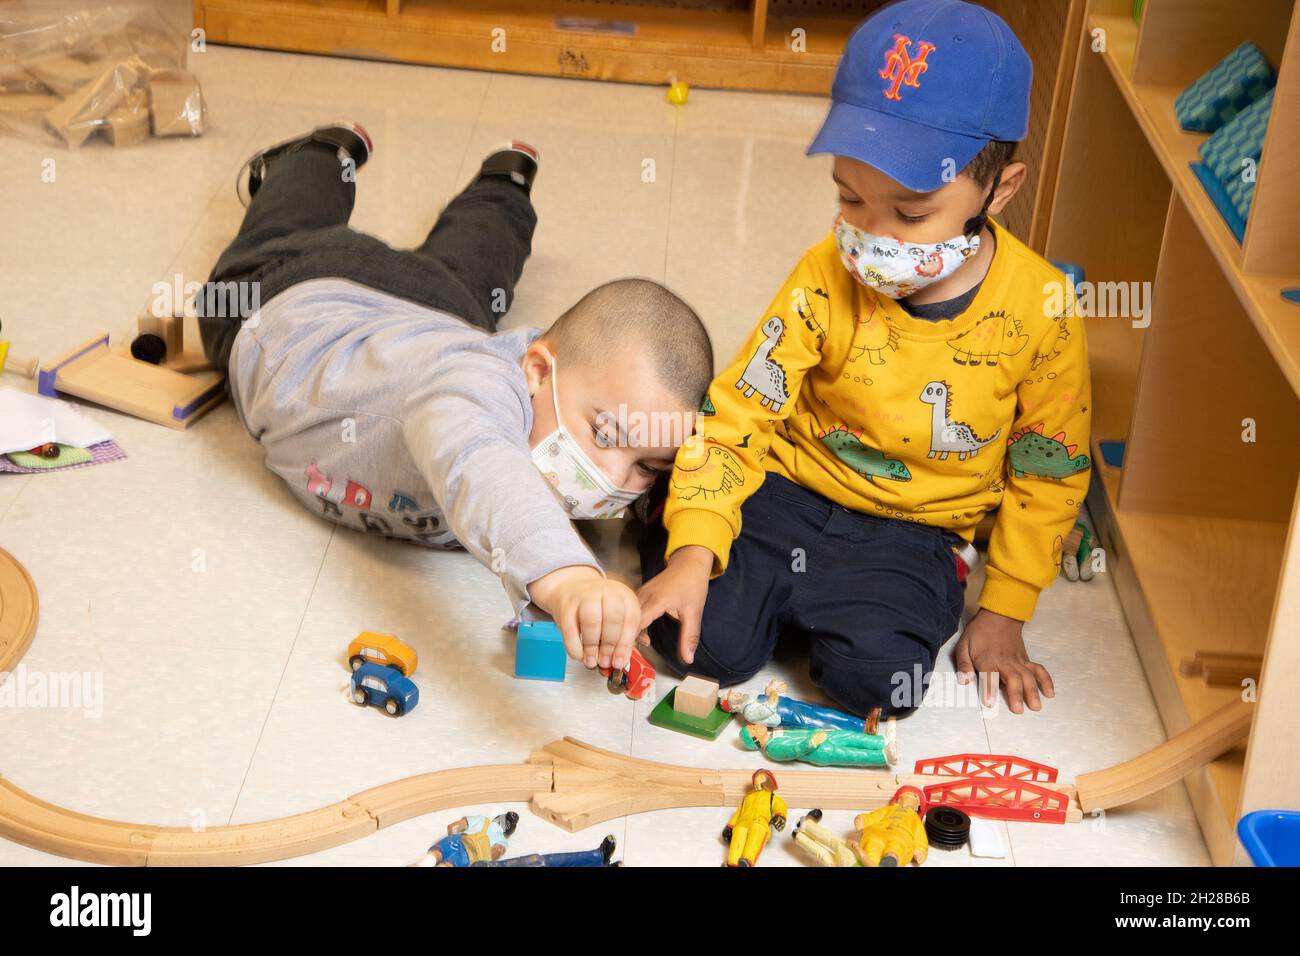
{"x": 467, "y": 434}
{"x": 1047, "y": 474}
{"x": 721, "y": 465}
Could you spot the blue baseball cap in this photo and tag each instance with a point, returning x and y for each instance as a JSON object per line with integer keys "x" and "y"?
{"x": 924, "y": 81}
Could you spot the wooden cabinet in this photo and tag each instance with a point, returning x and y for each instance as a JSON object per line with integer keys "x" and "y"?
{"x": 1200, "y": 523}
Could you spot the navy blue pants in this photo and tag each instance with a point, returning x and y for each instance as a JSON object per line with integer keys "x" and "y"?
{"x": 594, "y": 857}
{"x": 875, "y": 598}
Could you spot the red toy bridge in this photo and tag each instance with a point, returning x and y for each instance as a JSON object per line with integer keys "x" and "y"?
{"x": 1001, "y": 766}
{"x": 1000, "y": 798}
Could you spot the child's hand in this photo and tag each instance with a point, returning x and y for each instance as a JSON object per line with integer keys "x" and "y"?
{"x": 597, "y": 617}
{"x": 679, "y": 591}
{"x": 992, "y": 643}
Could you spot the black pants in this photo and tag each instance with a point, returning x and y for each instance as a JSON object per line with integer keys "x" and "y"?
{"x": 876, "y": 598}
{"x": 296, "y": 229}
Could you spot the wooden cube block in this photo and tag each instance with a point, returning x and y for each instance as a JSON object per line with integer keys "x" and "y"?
{"x": 176, "y": 103}
{"x": 87, "y": 109}
{"x": 128, "y": 125}
{"x": 696, "y": 696}
{"x": 62, "y": 74}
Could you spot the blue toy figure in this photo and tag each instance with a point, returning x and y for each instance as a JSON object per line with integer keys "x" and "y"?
{"x": 539, "y": 651}
{"x": 772, "y": 710}
{"x": 472, "y": 840}
{"x": 597, "y": 857}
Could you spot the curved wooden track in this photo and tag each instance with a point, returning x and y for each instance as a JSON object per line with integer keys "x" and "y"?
{"x": 567, "y": 782}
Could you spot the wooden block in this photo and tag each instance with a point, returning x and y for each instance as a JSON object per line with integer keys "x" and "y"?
{"x": 128, "y": 126}
{"x": 97, "y": 373}
{"x": 62, "y": 74}
{"x": 84, "y": 111}
{"x": 176, "y": 103}
{"x": 696, "y": 696}
{"x": 169, "y": 328}
{"x": 27, "y": 102}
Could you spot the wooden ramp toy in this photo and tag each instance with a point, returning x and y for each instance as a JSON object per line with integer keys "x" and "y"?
{"x": 106, "y": 376}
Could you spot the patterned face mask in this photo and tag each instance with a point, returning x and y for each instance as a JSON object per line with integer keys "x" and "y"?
{"x": 895, "y": 268}
{"x": 581, "y": 486}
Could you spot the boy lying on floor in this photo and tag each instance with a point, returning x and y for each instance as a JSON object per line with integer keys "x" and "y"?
{"x": 385, "y": 398}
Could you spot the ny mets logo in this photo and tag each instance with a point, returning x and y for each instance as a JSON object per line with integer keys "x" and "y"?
{"x": 900, "y": 69}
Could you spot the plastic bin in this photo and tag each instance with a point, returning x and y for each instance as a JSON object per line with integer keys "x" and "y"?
{"x": 1271, "y": 837}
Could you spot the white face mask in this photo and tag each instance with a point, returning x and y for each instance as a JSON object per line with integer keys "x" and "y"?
{"x": 895, "y": 268}
{"x": 581, "y": 486}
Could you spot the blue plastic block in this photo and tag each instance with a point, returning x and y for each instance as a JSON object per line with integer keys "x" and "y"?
{"x": 539, "y": 651}
{"x": 1271, "y": 837}
{"x": 1239, "y": 140}
{"x": 1239, "y": 79}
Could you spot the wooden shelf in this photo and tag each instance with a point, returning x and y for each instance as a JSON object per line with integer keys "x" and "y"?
{"x": 1152, "y": 105}
{"x": 1199, "y": 563}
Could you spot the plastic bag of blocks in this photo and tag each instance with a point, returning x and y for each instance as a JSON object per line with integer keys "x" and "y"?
{"x": 1238, "y": 80}
{"x": 66, "y": 68}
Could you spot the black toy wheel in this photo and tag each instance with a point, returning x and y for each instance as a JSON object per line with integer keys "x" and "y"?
{"x": 356, "y": 661}
{"x": 947, "y": 828}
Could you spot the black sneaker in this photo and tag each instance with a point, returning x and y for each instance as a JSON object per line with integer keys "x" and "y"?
{"x": 607, "y": 847}
{"x": 350, "y": 139}
{"x": 514, "y": 160}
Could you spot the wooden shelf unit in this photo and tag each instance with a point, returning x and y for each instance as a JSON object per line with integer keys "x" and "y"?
{"x": 1202, "y": 528}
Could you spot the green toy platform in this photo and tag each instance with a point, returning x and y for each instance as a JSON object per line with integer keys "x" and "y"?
{"x": 707, "y": 728}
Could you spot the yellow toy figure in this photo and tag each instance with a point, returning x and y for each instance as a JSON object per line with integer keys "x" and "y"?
{"x": 893, "y": 835}
{"x": 825, "y": 846}
{"x": 751, "y": 825}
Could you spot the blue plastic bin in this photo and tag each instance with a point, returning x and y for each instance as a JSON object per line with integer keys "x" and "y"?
{"x": 1271, "y": 837}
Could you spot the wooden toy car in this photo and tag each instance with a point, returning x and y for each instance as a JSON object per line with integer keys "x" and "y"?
{"x": 384, "y": 649}
{"x": 634, "y": 680}
{"x": 384, "y": 687}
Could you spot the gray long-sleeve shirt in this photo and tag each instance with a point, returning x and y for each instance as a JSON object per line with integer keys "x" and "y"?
{"x": 395, "y": 419}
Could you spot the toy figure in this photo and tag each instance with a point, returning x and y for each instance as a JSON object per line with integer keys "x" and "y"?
{"x": 772, "y": 710}
{"x": 819, "y": 746}
{"x": 751, "y": 825}
{"x": 597, "y": 857}
{"x": 825, "y": 846}
{"x": 470, "y": 840}
{"x": 893, "y": 835}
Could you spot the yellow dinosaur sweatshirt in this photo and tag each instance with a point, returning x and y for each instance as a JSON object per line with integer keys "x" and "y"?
{"x": 843, "y": 392}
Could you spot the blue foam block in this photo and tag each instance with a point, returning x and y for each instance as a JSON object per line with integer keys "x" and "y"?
{"x": 1222, "y": 201}
{"x": 1112, "y": 453}
{"x": 1217, "y": 97}
{"x": 539, "y": 651}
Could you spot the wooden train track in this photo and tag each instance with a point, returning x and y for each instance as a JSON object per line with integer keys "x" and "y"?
{"x": 567, "y": 782}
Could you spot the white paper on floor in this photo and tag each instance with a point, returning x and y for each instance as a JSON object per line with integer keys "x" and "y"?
{"x": 29, "y": 420}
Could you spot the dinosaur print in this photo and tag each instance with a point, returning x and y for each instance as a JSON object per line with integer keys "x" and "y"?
{"x": 706, "y": 407}
{"x": 764, "y": 374}
{"x": 1030, "y": 452}
{"x": 1054, "y": 349}
{"x": 716, "y": 472}
{"x": 869, "y": 462}
{"x": 806, "y": 303}
{"x": 871, "y": 336}
{"x": 946, "y": 435}
{"x": 993, "y": 336}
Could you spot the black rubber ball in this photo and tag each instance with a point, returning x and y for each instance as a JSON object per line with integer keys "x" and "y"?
{"x": 149, "y": 348}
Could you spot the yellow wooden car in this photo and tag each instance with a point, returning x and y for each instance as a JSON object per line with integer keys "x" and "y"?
{"x": 383, "y": 649}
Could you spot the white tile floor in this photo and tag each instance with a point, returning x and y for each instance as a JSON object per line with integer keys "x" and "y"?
{"x": 224, "y": 688}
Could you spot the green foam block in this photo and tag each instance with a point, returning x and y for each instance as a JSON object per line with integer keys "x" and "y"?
{"x": 708, "y": 727}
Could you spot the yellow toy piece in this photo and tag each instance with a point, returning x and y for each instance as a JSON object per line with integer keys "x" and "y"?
{"x": 372, "y": 647}
{"x": 751, "y": 825}
{"x": 894, "y": 834}
{"x": 677, "y": 91}
{"x": 825, "y": 846}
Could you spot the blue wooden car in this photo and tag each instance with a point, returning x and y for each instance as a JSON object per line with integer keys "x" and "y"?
{"x": 384, "y": 687}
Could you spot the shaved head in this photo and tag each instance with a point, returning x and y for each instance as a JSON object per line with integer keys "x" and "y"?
{"x": 643, "y": 317}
